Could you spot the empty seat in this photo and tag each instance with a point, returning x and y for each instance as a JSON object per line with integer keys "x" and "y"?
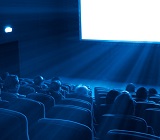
{"x": 59, "y": 129}
{"x": 142, "y": 106}
{"x": 122, "y": 122}
{"x": 4, "y": 104}
{"x": 47, "y": 100}
{"x": 152, "y": 116}
{"x": 100, "y": 96}
{"x": 33, "y": 110}
{"x": 128, "y": 135}
{"x": 13, "y": 125}
{"x": 73, "y": 113}
{"x": 86, "y": 98}
{"x": 76, "y": 102}
{"x": 154, "y": 98}
{"x": 103, "y": 109}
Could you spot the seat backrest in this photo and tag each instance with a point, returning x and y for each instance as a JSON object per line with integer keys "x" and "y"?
{"x": 4, "y": 104}
{"x": 73, "y": 113}
{"x": 142, "y": 106}
{"x": 8, "y": 96}
{"x": 47, "y": 100}
{"x": 33, "y": 110}
{"x": 154, "y": 98}
{"x": 100, "y": 96}
{"x": 152, "y": 115}
{"x": 76, "y": 102}
{"x": 13, "y": 125}
{"x": 58, "y": 129}
{"x": 88, "y": 99}
{"x": 128, "y": 135}
{"x": 103, "y": 109}
{"x": 122, "y": 122}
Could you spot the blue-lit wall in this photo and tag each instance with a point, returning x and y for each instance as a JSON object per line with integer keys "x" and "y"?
{"x": 48, "y": 35}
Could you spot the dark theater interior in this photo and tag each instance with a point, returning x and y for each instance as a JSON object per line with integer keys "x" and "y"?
{"x": 58, "y": 83}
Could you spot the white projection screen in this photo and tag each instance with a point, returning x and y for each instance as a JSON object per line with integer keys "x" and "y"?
{"x": 120, "y": 20}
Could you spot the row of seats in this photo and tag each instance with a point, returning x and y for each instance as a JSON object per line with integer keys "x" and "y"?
{"x": 56, "y": 118}
{"x": 74, "y": 117}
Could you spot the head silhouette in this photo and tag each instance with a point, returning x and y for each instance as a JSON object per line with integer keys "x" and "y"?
{"x": 152, "y": 92}
{"x": 111, "y": 95}
{"x": 38, "y": 80}
{"x": 130, "y": 87}
{"x": 142, "y": 94}
{"x": 81, "y": 90}
{"x": 11, "y": 83}
{"x": 124, "y": 104}
{"x": 56, "y": 85}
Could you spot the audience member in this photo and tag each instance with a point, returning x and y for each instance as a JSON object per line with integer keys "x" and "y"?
{"x": 39, "y": 85}
{"x": 55, "y": 79}
{"x": 55, "y": 91}
{"x": 131, "y": 89}
{"x": 82, "y": 90}
{"x": 11, "y": 86}
{"x": 153, "y": 92}
{"x": 124, "y": 104}
{"x": 142, "y": 95}
{"x": 4, "y": 75}
{"x": 111, "y": 95}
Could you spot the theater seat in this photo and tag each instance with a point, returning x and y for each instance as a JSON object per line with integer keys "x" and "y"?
{"x": 33, "y": 110}
{"x": 47, "y": 100}
{"x": 4, "y": 104}
{"x": 13, "y": 125}
{"x": 152, "y": 116}
{"x": 73, "y": 113}
{"x": 128, "y": 135}
{"x": 59, "y": 129}
{"x": 154, "y": 98}
{"x": 142, "y": 106}
{"x": 122, "y": 122}
{"x": 76, "y": 102}
{"x": 86, "y": 98}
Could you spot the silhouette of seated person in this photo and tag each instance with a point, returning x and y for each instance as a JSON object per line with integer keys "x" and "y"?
{"x": 64, "y": 89}
{"x": 56, "y": 79}
{"x": 2, "y": 78}
{"x": 142, "y": 95}
{"x": 82, "y": 90}
{"x": 153, "y": 92}
{"x": 4, "y": 75}
{"x": 55, "y": 91}
{"x": 11, "y": 85}
{"x": 131, "y": 89}
{"x": 108, "y": 107}
{"x": 124, "y": 104}
{"x": 39, "y": 85}
{"x": 111, "y": 95}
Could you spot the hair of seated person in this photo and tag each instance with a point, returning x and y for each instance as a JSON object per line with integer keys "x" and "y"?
{"x": 124, "y": 104}
{"x": 4, "y": 75}
{"x": 111, "y": 95}
{"x": 130, "y": 87}
{"x": 11, "y": 83}
{"x": 38, "y": 80}
{"x": 152, "y": 92}
{"x": 56, "y": 85}
{"x": 142, "y": 93}
{"x": 81, "y": 90}
{"x": 55, "y": 79}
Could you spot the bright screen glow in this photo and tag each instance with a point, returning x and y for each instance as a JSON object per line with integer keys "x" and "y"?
{"x": 120, "y": 20}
